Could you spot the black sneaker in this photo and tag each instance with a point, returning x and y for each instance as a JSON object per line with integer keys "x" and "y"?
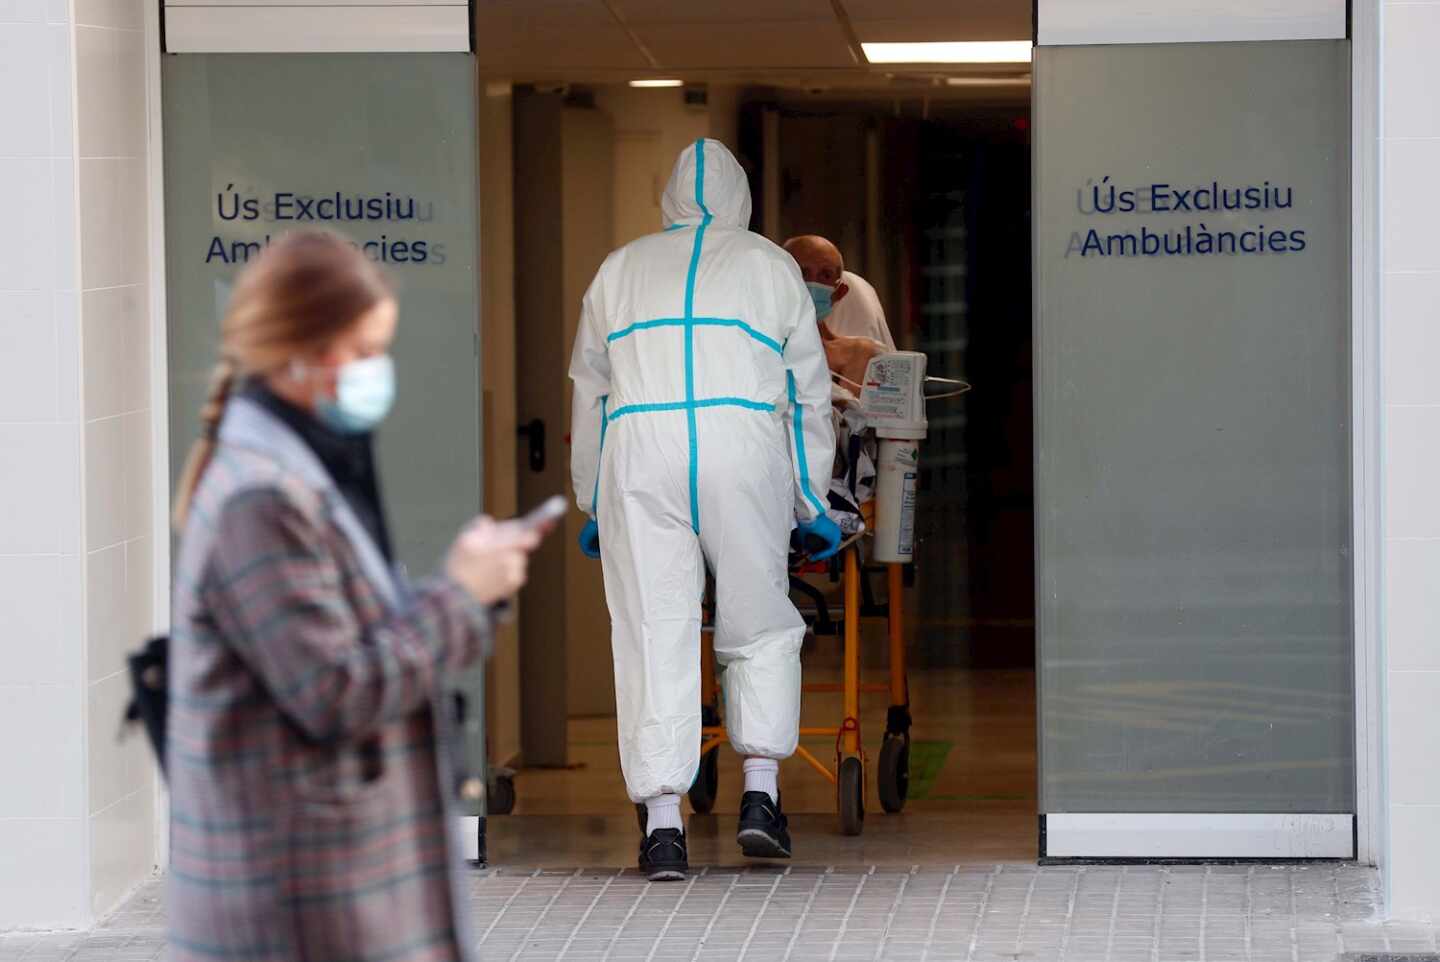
{"x": 764, "y": 831}
{"x": 663, "y": 855}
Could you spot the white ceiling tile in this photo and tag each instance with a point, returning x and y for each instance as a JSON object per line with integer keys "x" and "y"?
{"x": 742, "y": 45}
{"x": 731, "y": 11}
{"x": 995, "y": 27}
{"x": 544, "y": 8}
{"x": 551, "y": 42}
{"x": 550, "y": 37}
{"x": 936, "y": 9}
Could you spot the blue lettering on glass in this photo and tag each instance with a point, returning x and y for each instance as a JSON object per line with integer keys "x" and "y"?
{"x": 235, "y": 252}
{"x": 240, "y": 208}
{"x": 294, "y": 210}
{"x": 1232, "y": 237}
{"x": 1106, "y": 206}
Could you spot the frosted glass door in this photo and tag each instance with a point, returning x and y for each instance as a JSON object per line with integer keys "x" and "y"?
{"x": 380, "y": 147}
{"x": 1193, "y": 500}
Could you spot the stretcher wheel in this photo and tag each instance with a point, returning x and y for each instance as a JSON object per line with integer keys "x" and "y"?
{"x": 707, "y": 783}
{"x": 893, "y": 780}
{"x": 502, "y": 795}
{"x": 850, "y": 786}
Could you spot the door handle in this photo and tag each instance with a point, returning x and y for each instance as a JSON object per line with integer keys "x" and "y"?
{"x": 534, "y": 430}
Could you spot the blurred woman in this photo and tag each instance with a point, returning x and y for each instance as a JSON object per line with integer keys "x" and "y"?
{"x": 305, "y": 764}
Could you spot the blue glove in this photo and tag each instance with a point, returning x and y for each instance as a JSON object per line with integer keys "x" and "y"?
{"x": 590, "y": 539}
{"x": 820, "y": 538}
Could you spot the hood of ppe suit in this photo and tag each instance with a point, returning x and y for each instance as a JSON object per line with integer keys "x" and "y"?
{"x": 707, "y": 179}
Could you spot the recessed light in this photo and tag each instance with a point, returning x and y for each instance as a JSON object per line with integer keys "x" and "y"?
{"x": 657, "y": 83}
{"x": 988, "y": 81}
{"x": 973, "y": 51}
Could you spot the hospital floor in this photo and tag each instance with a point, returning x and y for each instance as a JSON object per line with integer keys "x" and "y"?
{"x": 972, "y": 785}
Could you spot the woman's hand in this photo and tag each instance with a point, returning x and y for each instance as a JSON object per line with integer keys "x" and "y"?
{"x": 489, "y": 559}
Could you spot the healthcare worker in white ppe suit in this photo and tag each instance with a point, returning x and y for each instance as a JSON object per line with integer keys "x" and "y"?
{"x": 701, "y": 434}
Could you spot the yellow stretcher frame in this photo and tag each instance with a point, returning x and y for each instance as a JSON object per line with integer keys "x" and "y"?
{"x": 849, "y": 773}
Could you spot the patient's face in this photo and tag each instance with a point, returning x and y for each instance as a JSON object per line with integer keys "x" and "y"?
{"x": 821, "y": 270}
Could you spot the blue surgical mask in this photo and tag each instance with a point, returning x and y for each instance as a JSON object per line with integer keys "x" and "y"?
{"x": 364, "y": 395}
{"x": 823, "y": 295}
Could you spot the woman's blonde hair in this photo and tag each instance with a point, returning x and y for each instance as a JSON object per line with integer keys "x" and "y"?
{"x": 304, "y": 290}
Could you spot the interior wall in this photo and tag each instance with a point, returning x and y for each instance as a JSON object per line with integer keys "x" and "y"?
{"x": 565, "y": 225}
{"x": 723, "y": 102}
{"x": 587, "y": 173}
{"x": 541, "y": 354}
{"x": 651, "y": 127}
{"x": 498, "y": 377}
{"x": 822, "y": 182}
{"x": 111, "y": 92}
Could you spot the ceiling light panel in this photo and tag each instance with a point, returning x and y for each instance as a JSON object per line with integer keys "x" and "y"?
{"x": 974, "y": 51}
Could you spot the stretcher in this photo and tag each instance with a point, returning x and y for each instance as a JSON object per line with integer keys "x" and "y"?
{"x": 851, "y": 764}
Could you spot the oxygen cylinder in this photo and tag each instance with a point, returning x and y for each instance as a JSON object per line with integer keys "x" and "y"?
{"x": 899, "y": 469}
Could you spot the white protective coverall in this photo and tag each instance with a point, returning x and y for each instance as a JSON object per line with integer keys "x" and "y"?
{"x": 701, "y": 432}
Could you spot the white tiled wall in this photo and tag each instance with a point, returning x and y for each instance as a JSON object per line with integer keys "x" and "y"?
{"x": 1410, "y": 332}
{"x": 115, "y": 336}
{"x": 76, "y": 813}
{"x": 43, "y": 829}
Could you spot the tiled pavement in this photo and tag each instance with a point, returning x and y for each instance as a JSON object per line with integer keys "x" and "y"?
{"x": 1005, "y": 912}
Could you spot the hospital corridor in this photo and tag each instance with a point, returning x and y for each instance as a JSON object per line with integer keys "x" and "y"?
{"x": 916, "y": 193}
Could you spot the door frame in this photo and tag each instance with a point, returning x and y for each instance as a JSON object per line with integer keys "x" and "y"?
{"x": 1367, "y": 503}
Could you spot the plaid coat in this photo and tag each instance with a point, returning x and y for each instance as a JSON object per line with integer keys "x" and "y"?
{"x": 307, "y": 816}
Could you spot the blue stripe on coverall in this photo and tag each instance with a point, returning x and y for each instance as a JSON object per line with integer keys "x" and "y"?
{"x": 709, "y": 402}
{"x": 690, "y": 334}
{"x": 735, "y": 322}
{"x": 689, "y": 322}
{"x": 799, "y": 411}
{"x": 599, "y": 458}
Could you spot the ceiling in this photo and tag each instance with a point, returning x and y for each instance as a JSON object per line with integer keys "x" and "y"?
{"x": 792, "y": 43}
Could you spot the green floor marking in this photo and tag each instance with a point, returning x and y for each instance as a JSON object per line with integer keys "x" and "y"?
{"x": 926, "y": 761}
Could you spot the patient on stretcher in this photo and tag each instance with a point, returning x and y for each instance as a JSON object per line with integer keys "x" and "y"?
{"x": 852, "y": 481}
{"x": 849, "y": 356}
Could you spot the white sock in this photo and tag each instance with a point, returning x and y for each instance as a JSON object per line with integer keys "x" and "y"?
{"x": 663, "y": 811}
{"x": 763, "y": 775}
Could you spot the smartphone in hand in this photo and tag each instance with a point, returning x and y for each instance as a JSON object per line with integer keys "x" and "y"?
{"x": 542, "y": 520}
{"x": 539, "y": 521}
{"x": 544, "y": 517}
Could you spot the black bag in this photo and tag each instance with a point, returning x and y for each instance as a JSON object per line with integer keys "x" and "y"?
{"x": 150, "y": 692}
